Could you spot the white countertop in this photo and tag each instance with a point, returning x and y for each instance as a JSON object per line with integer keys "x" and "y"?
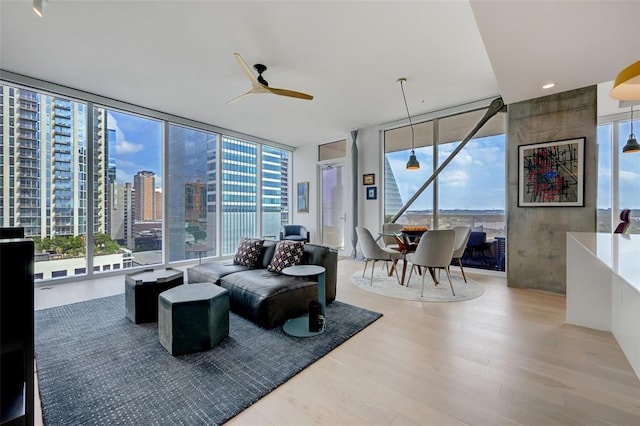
{"x": 620, "y": 252}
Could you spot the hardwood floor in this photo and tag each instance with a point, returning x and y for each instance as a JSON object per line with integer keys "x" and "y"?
{"x": 506, "y": 357}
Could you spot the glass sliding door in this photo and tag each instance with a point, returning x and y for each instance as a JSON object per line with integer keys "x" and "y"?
{"x": 334, "y": 215}
{"x": 192, "y": 193}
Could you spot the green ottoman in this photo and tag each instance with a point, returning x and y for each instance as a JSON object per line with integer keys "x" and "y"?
{"x": 193, "y": 317}
{"x": 142, "y": 289}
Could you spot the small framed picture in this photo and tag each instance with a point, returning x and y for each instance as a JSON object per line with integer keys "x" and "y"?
{"x": 369, "y": 179}
{"x": 303, "y": 197}
{"x": 372, "y": 193}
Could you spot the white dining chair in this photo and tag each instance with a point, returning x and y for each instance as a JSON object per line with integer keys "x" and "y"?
{"x": 462, "y": 237}
{"x": 372, "y": 251}
{"x": 434, "y": 251}
{"x": 389, "y": 230}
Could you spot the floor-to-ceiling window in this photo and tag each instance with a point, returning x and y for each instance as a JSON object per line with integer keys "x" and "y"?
{"x": 605, "y": 167}
{"x": 275, "y": 190}
{"x": 43, "y": 144}
{"x": 127, "y": 181}
{"x": 398, "y": 145}
{"x": 470, "y": 190}
{"x": 239, "y": 192}
{"x": 72, "y": 173}
{"x": 618, "y": 174}
{"x": 192, "y": 193}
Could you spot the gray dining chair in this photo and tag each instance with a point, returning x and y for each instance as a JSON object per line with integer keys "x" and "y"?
{"x": 387, "y": 238}
{"x": 372, "y": 251}
{"x": 434, "y": 251}
{"x": 462, "y": 237}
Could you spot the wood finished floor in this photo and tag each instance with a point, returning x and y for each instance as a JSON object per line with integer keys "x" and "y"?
{"x": 506, "y": 357}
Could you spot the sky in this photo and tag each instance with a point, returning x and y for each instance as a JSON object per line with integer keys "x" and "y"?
{"x": 629, "y": 169}
{"x": 474, "y": 180}
{"x": 138, "y": 146}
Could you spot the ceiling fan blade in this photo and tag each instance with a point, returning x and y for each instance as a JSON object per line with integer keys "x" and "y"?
{"x": 289, "y": 93}
{"x": 253, "y": 91}
{"x": 240, "y": 97}
{"x": 247, "y": 71}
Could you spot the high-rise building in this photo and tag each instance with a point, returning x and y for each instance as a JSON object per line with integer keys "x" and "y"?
{"x": 121, "y": 213}
{"x": 144, "y": 185}
{"x": 43, "y": 171}
{"x": 393, "y": 200}
{"x": 157, "y": 204}
{"x": 111, "y": 176}
{"x": 195, "y": 202}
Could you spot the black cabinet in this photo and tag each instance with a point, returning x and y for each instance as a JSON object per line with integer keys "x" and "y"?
{"x": 16, "y": 332}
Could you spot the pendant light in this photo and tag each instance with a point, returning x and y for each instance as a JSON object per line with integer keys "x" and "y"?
{"x": 413, "y": 163}
{"x": 38, "y": 7}
{"x": 632, "y": 144}
{"x": 627, "y": 84}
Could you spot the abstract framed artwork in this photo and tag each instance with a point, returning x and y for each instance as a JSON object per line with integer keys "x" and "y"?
{"x": 372, "y": 193}
{"x": 551, "y": 174}
{"x": 303, "y": 197}
{"x": 369, "y": 179}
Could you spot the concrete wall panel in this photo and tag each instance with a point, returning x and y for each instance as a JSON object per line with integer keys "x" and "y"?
{"x": 536, "y": 236}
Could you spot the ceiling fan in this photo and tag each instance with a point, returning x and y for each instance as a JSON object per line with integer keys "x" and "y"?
{"x": 260, "y": 85}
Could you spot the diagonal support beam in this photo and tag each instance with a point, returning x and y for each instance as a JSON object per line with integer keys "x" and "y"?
{"x": 496, "y": 106}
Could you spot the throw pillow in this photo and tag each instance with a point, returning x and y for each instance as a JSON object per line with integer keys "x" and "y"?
{"x": 288, "y": 253}
{"x": 248, "y": 252}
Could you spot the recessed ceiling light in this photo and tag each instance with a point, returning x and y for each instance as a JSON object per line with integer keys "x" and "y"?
{"x": 548, "y": 85}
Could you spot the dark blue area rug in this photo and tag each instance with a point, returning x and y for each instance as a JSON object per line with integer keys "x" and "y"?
{"x": 97, "y": 367}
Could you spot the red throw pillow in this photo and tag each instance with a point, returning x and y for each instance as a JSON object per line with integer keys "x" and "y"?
{"x": 248, "y": 252}
{"x": 288, "y": 253}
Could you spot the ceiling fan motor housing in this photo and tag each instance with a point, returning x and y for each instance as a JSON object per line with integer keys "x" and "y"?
{"x": 261, "y": 68}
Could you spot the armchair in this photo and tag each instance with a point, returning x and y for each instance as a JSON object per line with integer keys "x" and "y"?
{"x": 623, "y": 226}
{"x": 294, "y": 233}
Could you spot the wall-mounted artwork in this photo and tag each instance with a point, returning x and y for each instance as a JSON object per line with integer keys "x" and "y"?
{"x": 551, "y": 174}
{"x": 303, "y": 197}
{"x": 369, "y": 179}
{"x": 372, "y": 193}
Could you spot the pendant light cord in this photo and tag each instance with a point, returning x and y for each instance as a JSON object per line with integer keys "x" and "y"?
{"x": 632, "y": 121}
{"x": 409, "y": 115}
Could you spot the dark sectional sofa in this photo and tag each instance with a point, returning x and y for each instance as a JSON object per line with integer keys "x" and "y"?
{"x": 268, "y": 298}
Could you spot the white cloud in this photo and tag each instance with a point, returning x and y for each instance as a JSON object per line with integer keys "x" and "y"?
{"x": 123, "y": 147}
{"x": 455, "y": 179}
{"x": 630, "y": 177}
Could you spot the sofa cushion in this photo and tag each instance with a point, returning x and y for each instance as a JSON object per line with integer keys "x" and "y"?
{"x": 248, "y": 252}
{"x": 212, "y": 271}
{"x": 267, "y": 298}
{"x": 288, "y": 253}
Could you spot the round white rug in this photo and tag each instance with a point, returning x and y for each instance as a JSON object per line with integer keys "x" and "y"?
{"x": 388, "y": 286}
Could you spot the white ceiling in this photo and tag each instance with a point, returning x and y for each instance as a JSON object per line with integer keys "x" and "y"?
{"x": 176, "y": 57}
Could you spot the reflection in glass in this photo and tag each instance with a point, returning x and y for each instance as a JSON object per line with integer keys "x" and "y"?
{"x": 192, "y": 193}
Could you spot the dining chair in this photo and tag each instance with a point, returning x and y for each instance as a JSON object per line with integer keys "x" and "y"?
{"x": 462, "y": 237}
{"x": 434, "y": 251}
{"x": 389, "y": 230}
{"x": 623, "y": 226}
{"x": 372, "y": 251}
